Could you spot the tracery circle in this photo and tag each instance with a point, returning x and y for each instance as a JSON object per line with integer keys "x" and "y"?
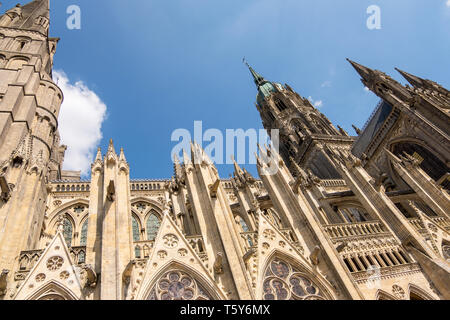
{"x": 269, "y": 234}
{"x": 54, "y": 263}
{"x": 170, "y": 240}
{"x": 40, "y": 277}
{"x": 284, "y": 282}
{"x": 177, "y": 285}
{"x": 64, "y": 275}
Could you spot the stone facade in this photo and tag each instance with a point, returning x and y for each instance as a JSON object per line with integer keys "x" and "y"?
{"x": 343, "y": 217}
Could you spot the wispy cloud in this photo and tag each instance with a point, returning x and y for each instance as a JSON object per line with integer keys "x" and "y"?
{"x": 80, "y": 121}
{"x": 448, "y": 3}
{"x": 326, "y": 84}
{"x": 316, "y": 103}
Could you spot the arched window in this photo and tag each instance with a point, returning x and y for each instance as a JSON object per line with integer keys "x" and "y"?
{"x": 136, "y": 231}
{"x": 17, "y": 63}
{"x": 152, "y": 226}
{"x": 83, "y": 237}
{"x": 280, "y": 105}
{"x": 178, "y": 285}
{"x": 137, "y": 252}
{"x": 285, "y": 282}
{"x": 67, "y": 231}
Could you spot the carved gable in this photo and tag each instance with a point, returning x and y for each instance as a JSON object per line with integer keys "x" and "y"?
{"x": 172, "y": 251}
{"x": 54, "y": 276}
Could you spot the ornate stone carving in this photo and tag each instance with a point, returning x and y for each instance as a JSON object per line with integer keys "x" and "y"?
{"x": 55, "y": 263}
{"x": 170, "y": 241}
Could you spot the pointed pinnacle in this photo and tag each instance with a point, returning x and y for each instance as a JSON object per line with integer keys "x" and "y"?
{"x": 412, "y": 79}
{"x": 357, "y": 130}
{"x": 363, "y": 71}
{"x": 237, "y": 168}
{"x": 185, "y": 158}
{"x": 122, "y": 155}
{"x": 99, "y": 154}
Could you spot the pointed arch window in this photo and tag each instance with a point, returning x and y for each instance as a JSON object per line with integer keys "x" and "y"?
{"x": 152, "y": 226}
{"x": 285, "y": 282}
{"x": 67, "y": 231}
{"x": 83, "y": 237}
{"x": 178, "y": 285}
{"x": 280, "y": 105}
{"x": 135, "y": 226}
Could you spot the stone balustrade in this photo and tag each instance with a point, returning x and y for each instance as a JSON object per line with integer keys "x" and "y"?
{"x": 348, "y": 230}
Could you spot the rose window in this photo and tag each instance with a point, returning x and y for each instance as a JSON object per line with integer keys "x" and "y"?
{"x": 54, "y": 263}
{"x": 284, "y": 282}
{"x": 177, "y": 285}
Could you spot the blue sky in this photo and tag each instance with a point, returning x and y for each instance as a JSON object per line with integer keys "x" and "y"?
{"x": 159, "y": 65}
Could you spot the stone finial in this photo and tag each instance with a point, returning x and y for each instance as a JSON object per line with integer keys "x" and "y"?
{"x": 357, "y": 130}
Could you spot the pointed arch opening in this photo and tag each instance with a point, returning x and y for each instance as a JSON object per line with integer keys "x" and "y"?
{"x": 53, "y": 291}
{"x": 181, "y": 282}
{"x": 383, "y": 295}
{"x": 284, "y": 279}
{"x": 67, "y": 230}
{"x": 416, "y": 293}
{"x": 136, "y": 228}
{"x": 83, "y": 236}
{"x": 152, "y": 225}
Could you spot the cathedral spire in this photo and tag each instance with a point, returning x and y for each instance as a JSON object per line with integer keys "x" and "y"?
{"x": 257, "y": 78}
{"x": 363, "y": 71}
{"x": 415, "y": 81}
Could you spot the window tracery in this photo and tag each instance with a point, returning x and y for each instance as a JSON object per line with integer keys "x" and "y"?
{"x": 67, "y": 231}
{"x": 178, "y": 285}
{"x": 285, "y": 282}
{"x": 136, "y": 231}
{"x": 83, "y": 237}
{"x": 153, "y": 224}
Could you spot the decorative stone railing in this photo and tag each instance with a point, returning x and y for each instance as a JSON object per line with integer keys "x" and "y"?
{"x": 376, "y": 274}
{"x": 28, "y": 259}
{"x": 351, "y": 230}
{"x": 78, "y": 254}
{"x": 290, "y": 235}
{"x": 416, "y": 223}
{"x": 198, "y": 245}
{"x": 442, "y": 222}
{"x": 332, "y": 183}
{"x": 70, "y": 187}
{"x": 146, "y": 185}
{"x": 142, "y": 249}
{"x": 250, "y": 240}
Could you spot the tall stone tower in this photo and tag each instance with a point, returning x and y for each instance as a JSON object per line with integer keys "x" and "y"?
{"x": 30, "y": 153}
{"x": 303, "y": 129}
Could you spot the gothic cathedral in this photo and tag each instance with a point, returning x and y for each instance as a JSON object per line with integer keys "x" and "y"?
{"x": 344, "y": 217}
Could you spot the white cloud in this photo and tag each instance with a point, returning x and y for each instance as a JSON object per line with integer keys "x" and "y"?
{"x": 327, "y": 83}
{"x": 317, "y": 104}
{"x": 367, "y": 89}
{"x": 80, "y": 122}
{"x": 448, "y": 3}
